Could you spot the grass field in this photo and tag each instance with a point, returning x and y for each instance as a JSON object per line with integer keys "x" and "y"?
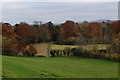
{"x": 58, "y": 67}
{"x": 88, "y": 47}
{"x": 56, "y": 46}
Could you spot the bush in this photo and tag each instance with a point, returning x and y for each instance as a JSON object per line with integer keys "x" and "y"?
{"x": 52, "y": 53}
{"x": 67, "y": 41}
{"x": 67, "y": 50}
{"x": 8, "y": 48}
{"x": 30, "y": 51}
{"x": 80, "y": 52}
{"x": 70, "y": 40}
{"x": 56, "y": 52}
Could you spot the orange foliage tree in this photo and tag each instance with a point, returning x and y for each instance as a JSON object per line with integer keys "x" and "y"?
{"x": 26, "y": 32}
{"x": 115, "y": 26}
{"x": 7, "y": 32}
{"x": 94, "y": 30}
{"x": 67, "y": 30}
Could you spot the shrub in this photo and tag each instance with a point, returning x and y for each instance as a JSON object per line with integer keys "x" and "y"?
{"x": 70, "y": 40}
{"x": 52, "y": 53}
{"x": 67, "y": 50}
{"x": 12, "y": 47}
{"x": 8, "y": 48}
{"x": 80, "y": 52}
{"x": 30, "y": 51}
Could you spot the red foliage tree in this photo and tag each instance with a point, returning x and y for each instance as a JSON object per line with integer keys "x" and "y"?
{"x": 67, "y": 29}
{"x": 7, "y": 32}
{"x": 18, "y": 45}
{"x": 94, "y": 30}
{"x": 25, "y": 31}
{"x": 115, "y": 26}
{"x": 32, "y": 49}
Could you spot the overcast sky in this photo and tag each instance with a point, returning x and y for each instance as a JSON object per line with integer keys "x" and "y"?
{"x": 58, "y": 12}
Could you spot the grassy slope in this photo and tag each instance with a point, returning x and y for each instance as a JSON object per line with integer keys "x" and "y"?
{"x": 62, "y": 67}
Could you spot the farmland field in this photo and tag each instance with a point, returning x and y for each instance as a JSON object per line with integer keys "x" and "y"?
{"x": 58, "y": 67}
{"x": 56, "y": 46}
{"x": 42, "y": 47}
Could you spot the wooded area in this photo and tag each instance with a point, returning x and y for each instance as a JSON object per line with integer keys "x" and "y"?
{"x": 18, "y": 39}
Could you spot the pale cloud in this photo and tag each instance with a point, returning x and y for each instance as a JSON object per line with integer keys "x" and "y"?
{"x": 58, "y": 12}
{"x": 0, "y": 11}
{"x": 59, "y": 0}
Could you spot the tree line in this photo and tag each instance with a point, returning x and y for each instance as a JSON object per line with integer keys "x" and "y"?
{"x": 19, "y": 37}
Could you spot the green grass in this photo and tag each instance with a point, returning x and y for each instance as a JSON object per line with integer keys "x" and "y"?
{"x": 58, "y": 67}
{"x": 56, "y": 46}
{"x": 88, "y": 47}
{"x": 0, "y": 66}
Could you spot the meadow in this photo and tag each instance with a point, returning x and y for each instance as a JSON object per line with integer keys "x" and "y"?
{"x": 87, "y": 47}
{"x": 58, "y": 67}
{"x": 44, "y": 49}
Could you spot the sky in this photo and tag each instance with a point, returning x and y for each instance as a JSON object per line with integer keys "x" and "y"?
{"x": 59, "y": 0}
{"x": 57, "y": 12}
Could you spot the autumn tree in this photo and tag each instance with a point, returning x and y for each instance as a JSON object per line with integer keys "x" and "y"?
{"x": 7, "y": 36}
{"x": 115, "y": 26}
{"x": 25, "y": 31}
{"x": 11, "y": 45}
{"x": 84, "y": 24}
{"x": 115, "y": 36}
{"x": 81, "y": 37}
{"x": 71, "y": 40}
{"x": 94, "y": 30}
{"x": 7, "y": 32}
{"x": 67, "y": 30}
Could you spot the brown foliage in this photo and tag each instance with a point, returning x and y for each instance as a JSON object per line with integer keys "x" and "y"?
{"x": 8, "y": 32}
{"x": 94, "y": 30}
{"x": 115, "y": 26}
{"x": 18, "y": 45}
{"x": 70, "y": 40}
{"x": 67, "y": 29}
{"x": 32, "y": 49}
{"x": 25, "y": 31}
